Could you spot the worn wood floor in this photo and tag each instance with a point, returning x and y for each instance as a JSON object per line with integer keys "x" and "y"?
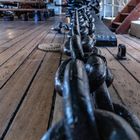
{"x": 26, "y": 78}
{"x": 28, "y": 103}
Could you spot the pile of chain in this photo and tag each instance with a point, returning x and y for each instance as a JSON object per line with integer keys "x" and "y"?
{"x": 83, "y": 80}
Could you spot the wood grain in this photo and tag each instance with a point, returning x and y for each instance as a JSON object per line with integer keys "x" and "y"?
{"x": 33, "y": 116}
{"x": 25, "y": 65}
{"x": 127, "y": 87}
{"x": 130, "y": 64}
{"x": 10, "y": 97}
{"x": 132, "y": 49}
{"x": 28, "y": 103}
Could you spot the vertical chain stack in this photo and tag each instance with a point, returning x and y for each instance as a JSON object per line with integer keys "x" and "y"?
{"x": 83, "y": 80}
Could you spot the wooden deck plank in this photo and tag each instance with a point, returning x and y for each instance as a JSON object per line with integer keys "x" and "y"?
{"x": 33, "y": 115}
{"x": 130, "y": 64}
{"x": 14, "y": 63}
{"x": 133, "y": 38}
{"x": 115, "y": 97}
{"x": 12, "y": 31}
{"x": 134, "y": 42}
{"x": 59, "y": 38}
{"x": 5, "y": 26}
{"x": 11, "y": 97}
{"x": 127, "y": 87}
{"x": 49, "y": 38}
{"x": 132, "y": 49}
{"x": 21, "y": 81}
{"x": 20, "y": 37}
{"x": 17, "y": 26}
{"x": 8, "y": 53}
{"x": 9, "y": 34}
{"x": 58, "y": 105}
{"x": 17, "y": 60}
{"x": 58, "y": 110}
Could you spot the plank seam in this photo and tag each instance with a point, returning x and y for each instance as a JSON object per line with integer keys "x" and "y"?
{"x": 132, "y": 38}
{"x": 21, "y": 101}
{"x": 19, "y": 40}
{"x": 128, "y": 44}
{"x": 133, "y": 57}
{"x": 12, "y": 38}
{"x": 120, "y": 98}
{"x": 53, "y": 101}
{"x": 54, "y": 93}
{"x": 21, "y": 63}
{"x": 22, "y": 47}
{"x": 123, "y": 66}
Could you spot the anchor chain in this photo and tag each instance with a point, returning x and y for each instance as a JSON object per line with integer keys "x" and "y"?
{"x": 83, "y": 80}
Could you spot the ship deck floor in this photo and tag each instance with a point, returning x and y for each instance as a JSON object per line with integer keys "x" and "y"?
{"x": 28, "y": 102}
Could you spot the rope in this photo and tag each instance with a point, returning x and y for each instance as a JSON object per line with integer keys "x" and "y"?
{"x": 50, "y": 47}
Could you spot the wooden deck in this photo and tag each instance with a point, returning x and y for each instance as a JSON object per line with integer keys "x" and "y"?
{"x": 28, "y": 103}
{"x": 26, "y": 78}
